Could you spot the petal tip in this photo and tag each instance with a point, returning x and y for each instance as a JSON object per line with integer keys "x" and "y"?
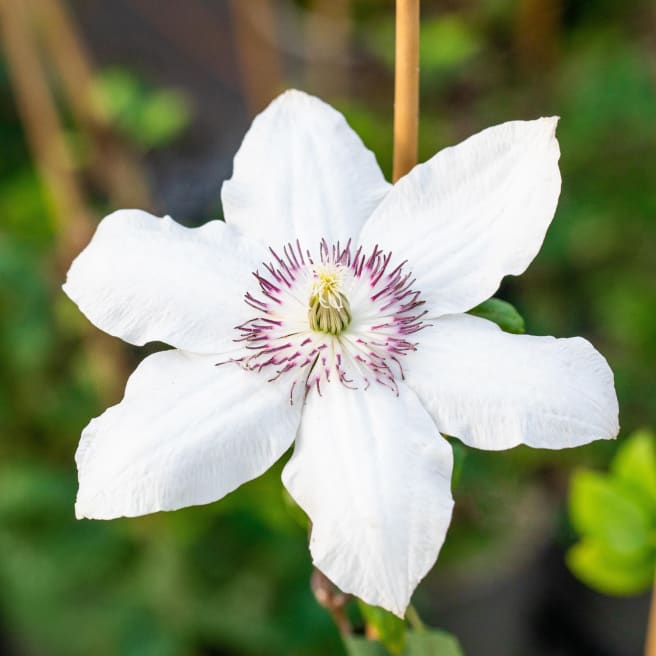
{"x": 552, "y": 123}
{"x": 82, "y": 510}
{"x": 293, "y": 96}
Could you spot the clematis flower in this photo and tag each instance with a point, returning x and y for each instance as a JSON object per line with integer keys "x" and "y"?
{"x": 329, "y": 309}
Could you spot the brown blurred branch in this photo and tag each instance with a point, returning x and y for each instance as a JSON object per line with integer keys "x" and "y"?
{"x": 40, "y": 120}
{"x": 259, "y": 59}
{"x": 327, "y": 36}
{"x": 537, "y": 34}
{"x": 114, "y": 168}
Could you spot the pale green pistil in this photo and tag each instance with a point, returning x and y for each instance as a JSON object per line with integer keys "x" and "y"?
{"x": 329, "y": 319}
{"x": 329, "y": 310}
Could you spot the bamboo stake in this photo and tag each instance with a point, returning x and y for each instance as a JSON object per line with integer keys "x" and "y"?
{"x": 650, "y": 646}
{"x": 406, "y": 87}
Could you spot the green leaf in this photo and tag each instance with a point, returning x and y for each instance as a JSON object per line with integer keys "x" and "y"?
{"x": 390, "y": 628}
{"x": 429, "y": 642}
{"x": 360, "y": 646}
{"x": 115, "y": 93}
{"x": 164, "y": 115}
{"x": 635, "y": 464}
{"x": 295, "y": 511}
{"x": 446, "y": 42}
{"x": 606, "y": 509}
{"x": 432, "y": 642}
{"x": 502, "y": 313}
{"x": 459, "y": 457}
{"x": 610, "y": 572}
{"x": 148, "y": 116}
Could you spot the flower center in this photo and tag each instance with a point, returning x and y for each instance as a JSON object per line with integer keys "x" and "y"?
{"x": 329, "y": 310}
{"x": 343, "y": 317}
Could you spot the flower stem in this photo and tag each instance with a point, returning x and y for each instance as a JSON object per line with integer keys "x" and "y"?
{"x": 650, "y": 645}
{"x": 332, "y": 600}
{"x": 413, "y": 618}
{"x": 406, "y": 87}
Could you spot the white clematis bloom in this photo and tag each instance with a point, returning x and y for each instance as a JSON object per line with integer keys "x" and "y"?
{"x": 328, "y": 309}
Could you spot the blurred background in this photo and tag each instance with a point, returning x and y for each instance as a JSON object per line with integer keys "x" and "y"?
{"x": 143, "y": 103}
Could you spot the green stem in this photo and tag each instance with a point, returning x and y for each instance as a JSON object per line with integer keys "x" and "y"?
{"x": 413, "y": 619}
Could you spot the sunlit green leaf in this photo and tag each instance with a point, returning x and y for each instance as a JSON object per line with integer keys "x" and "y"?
{"x": 635, "y": 464}
{"x": 610, "y": 572}
{"x": 502, "y": 313}
{"x": 609, "y": 511}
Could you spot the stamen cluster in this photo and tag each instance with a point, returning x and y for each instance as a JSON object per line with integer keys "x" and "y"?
{"x": 346, "y": 316}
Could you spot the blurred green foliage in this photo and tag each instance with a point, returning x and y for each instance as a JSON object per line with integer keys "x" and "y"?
{"x": 615, "y": 514}
{"x": 232, "y": 578}
{"x": 149, "y": 117}
{"x": 426, "y": 642}
{"x": 392, "y": 637}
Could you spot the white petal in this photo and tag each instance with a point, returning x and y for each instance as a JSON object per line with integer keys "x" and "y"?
{"x": 302, "y": 173}
{"x": 142, "y": 278}
{"x": 473, "y": 213}
{"x": 494, "y": 390}
{"x": 374, "y": 476}
{"x": 187, "y": 432}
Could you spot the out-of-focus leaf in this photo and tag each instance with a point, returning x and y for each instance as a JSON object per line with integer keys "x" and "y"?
{"x": 459, "y": 456}
{"x": 609, "y": 511}
{"x": 432, "y": 642}
{"x": 446, "y": 42}
{"x": 610, "y": 572}
{"x": 30, "y": 492}
{"x": 149, "y": 117}
{"x": 635, "y": 464}
{"x": 164, "y": 116}
{"x": 26, "y": 335}
{"x": 295, "y": 511}
{"x": 502, "y": 313}
{"x": 23, "y": 207}
{"x": 426, "y": 642}
{"x": 391, "y": 629}
{"x": 115, "y": 93}
{"x": 359, "y": 646}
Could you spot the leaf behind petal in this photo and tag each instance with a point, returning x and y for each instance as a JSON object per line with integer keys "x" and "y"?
{"x": 502, "y": 313}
